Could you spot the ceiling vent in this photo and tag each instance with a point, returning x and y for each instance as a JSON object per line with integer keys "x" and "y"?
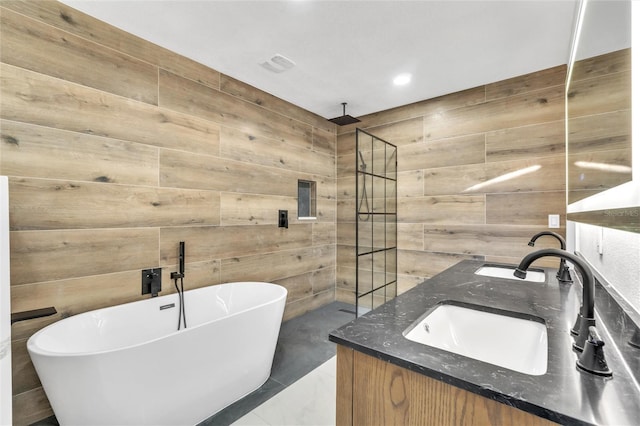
{"x": 278, "y": 64}
{"x": 344, "y": 119}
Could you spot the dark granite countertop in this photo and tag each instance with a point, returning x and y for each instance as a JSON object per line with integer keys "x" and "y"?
{"x": 564, "y": 394}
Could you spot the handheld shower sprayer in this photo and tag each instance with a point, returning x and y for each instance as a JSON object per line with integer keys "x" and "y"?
{"x": 181, "y": 258}
{"x": 180, "y": 273}
{"x": 182, "y": 316}
{"x": 364, "y": 200}
{"x": 363, "y": 166}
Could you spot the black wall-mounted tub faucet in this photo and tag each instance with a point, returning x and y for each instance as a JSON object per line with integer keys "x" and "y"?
{"x": 152, "y": 281}
{"x": 586, "y": 317}
{"x": 563, "y": 275}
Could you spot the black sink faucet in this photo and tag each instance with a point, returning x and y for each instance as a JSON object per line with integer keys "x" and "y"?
{"x": 563, "y": 275}
{"x": 586, "y": 317}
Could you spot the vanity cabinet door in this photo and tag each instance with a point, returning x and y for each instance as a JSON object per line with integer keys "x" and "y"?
{"x": 375, "y": 392}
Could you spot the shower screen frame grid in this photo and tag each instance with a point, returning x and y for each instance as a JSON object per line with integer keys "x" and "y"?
{"x": 376, "y": 255}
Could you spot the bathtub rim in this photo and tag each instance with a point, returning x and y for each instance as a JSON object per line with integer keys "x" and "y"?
{"x": 32, "y": 347}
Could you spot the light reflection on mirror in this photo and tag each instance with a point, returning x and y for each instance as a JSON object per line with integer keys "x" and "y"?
{"x": 600, "y": 171}
{"x": 613, "y": 168}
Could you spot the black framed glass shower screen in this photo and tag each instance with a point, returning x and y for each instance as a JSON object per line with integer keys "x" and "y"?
{"x": 376, "y": 221}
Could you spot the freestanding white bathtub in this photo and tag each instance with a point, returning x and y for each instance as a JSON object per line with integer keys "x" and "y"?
{"x": 128, "y": 364}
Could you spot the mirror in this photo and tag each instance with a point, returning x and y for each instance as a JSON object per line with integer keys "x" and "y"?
{"x": 602, "y": 187}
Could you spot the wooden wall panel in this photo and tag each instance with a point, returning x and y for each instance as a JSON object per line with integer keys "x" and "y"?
{"x": 191, "y": 170}
{"x": 514, "y": 111}
{"x": 507, "y": 208}
{"x": 258, "y": 97}
{"x": 44, "y": 152}
{"x": 326, "y": 209}
{"x": 277, "y": 265}
{"x": 105, "y": 182}
{"x": 442, "y": 209}
{"x": 346, "y": 234}
{"x": 31, "y": 406}
{"x": 405, "y": 132}
{"x": 411, "y": 184}
{"x": 56, "y": 204}
{"x": 536, "y": 174}
{"x": 521, "y": 143}
{"x": 486, "y": 240}
{"x": 322, "y": 280}
{"x": 309, "y": 283}
{"x": 469, "y": 149}
{"x": 324, "y": 140}
{"x": 453, "y": 180}
{"x": 425, "y": 264}
{"x": 187, "y": 96}
{"x": 55, "y": 254}
{"x": 217, "y": 242}
{"x": 47, "y": 50}
{"x": 347, "y": 209}
{"x": 346, "y": 188}
{"x": 250, "y": 209}
{"x": 243, "y": 146}
{"x": 526, "y": 83}
{"x": 22, "y": 368}
{"x": 347, "y": 253}
{"x": 301, "y": 306}
{"x": 420, "y": 109}
{"x": 324, "y": 233}
{"x": 34, "y": 98}
{"x": 346, "y": 164}
{"x": 411, "y": 236}
{"x": 346, "y": 143}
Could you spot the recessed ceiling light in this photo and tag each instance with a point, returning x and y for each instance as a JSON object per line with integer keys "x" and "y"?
{"x": 402, "y": 79}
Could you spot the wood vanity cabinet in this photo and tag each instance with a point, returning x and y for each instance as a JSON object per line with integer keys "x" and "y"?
{"x": 374, "y": 392}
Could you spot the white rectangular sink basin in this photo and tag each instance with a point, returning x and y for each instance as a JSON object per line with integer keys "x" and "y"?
{"x": 506, "y": 272}
{"x": 518, "y": 344}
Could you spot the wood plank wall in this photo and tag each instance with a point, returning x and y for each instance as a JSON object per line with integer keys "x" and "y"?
{"x": 452, "y": 152}
{"x": 118, "y": 149}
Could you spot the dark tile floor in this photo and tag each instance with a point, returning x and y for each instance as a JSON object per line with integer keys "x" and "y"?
{"x": 303, "y": 345}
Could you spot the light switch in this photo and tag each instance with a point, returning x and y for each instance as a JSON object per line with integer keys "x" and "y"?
{"x": 554, "y": 221}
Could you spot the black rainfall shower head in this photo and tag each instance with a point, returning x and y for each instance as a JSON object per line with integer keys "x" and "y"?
{"x": 344, "y": 119}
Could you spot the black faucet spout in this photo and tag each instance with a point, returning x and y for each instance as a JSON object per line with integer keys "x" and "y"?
{"x": 586, "y": 318}
{"x": 563, "y": 243}
{"x": 563, "y": 275}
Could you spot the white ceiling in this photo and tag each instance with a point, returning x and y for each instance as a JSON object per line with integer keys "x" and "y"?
{"x": 349, "y": 51}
